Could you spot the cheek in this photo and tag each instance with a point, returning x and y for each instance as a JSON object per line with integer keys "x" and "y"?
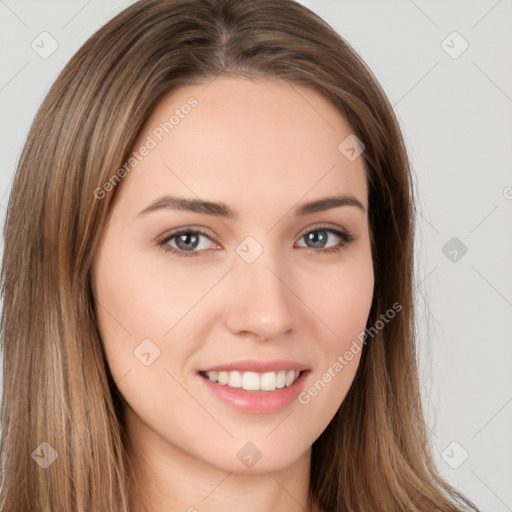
{"x": 142, "y": 297}
{"x": 343, "y": 305}
{"x": 136, "y": 302}
{"x": 341, "y": 299}
{"x": 143, "y": 313}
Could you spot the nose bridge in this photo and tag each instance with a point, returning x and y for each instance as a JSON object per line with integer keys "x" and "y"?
{"x": 261, "y": 302}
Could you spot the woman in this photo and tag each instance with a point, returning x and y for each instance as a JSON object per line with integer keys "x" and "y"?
{"x": 208, "y": 276}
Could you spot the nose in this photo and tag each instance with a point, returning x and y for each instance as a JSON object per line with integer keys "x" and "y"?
{"x": 261, "y": 301}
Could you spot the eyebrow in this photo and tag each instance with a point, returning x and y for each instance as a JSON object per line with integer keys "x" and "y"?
{"x": 169, "y": 202}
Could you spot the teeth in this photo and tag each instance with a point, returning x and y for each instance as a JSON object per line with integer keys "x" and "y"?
{"x": 290, "y": 377}
{"x": 235, "y": 380}
{"x": 252, "y": 381}
{"x": 280, "y": 380}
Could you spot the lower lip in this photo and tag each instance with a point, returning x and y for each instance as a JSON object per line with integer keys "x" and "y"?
{"x": 256, "y": 402}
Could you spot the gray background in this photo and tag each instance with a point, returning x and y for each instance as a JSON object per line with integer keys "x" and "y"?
{"x": 455, "y": 108}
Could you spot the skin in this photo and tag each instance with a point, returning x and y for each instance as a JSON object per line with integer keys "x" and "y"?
{"x": 263, "y": 148}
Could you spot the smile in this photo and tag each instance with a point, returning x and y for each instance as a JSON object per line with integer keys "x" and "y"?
{"x": 252, "y": 381}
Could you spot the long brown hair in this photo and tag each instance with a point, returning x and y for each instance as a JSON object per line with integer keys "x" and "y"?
{"x": 375, "y": 454}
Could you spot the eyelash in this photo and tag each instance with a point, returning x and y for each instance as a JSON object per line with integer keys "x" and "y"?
{"x": 346, "y": 240}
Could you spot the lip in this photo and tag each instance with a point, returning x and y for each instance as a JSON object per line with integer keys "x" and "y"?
{"x": 252, "y": 365}
{"x": 255, "y": 402}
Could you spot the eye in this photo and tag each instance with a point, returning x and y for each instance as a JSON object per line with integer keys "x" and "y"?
{"x": 188, "y": 242}
{"x": 184, "y": 241}
{"x": 317, "y": 239}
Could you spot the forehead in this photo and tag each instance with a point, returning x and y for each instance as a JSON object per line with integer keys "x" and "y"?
{"x": 261, "y": 141}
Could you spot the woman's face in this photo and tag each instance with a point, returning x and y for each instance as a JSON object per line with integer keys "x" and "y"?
{"x": 258, "y": 283}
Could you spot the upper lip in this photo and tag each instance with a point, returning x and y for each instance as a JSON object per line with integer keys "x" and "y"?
{"x": 257, "y": 366}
